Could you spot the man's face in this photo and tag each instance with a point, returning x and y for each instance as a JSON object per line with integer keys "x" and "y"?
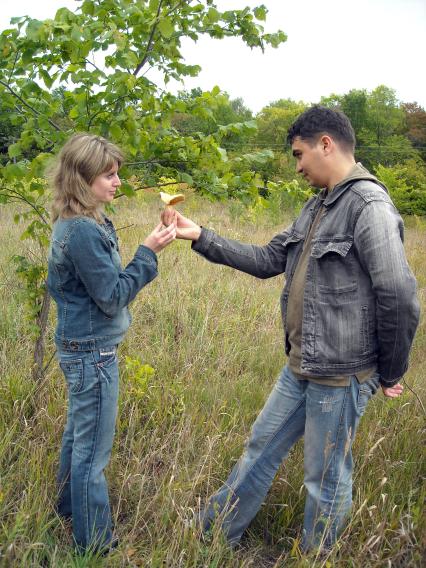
{"x": 310, "y": 161}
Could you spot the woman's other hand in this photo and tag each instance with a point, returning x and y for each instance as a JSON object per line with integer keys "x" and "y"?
{"x": 160, "y": 237}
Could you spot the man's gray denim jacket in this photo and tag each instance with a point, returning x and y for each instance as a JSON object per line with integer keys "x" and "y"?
{"x": 360, "y": 308}
{"x": 89, "y": 286}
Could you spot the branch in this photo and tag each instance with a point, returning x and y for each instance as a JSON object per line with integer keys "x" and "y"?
{"x": 178, "y": 5}
{"x": 35, "y": 111}
{"x": 16, "y": 195}
{"x": 95, "y": 66}
{"x": 100, "y": 111}
{"x": 149, "y": 187}
{"x": 150, "y": 40}
{"x": 49, "y": 148}
{"x": 165, "y": 161}
{"x": 13, "y": 68}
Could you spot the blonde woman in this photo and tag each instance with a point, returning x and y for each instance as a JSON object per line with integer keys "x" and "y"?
{"x": 92, "y": 292}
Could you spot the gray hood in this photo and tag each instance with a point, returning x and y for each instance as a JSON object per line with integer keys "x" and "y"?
{"x": 358, "y": 172}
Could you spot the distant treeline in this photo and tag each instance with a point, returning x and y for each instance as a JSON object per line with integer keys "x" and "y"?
{"x": 390, "y": 136}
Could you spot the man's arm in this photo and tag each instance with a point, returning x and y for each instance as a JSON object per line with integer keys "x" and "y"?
{"x": 378, "y": 239}
{"x": 260, "y": 261}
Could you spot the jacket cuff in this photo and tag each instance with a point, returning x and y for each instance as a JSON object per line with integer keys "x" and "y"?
{"x": 388, "y": 383}
{"x": 147, "y": 254}
{"x": 203, "y": 242}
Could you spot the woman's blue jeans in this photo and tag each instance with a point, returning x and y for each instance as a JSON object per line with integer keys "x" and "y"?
{"x": 92, "y": 378}
{"x": 327, "y": 417}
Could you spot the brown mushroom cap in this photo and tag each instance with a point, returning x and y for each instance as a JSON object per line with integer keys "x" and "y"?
{"x": 171, "y": 199}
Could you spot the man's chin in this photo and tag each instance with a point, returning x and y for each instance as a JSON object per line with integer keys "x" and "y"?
{"x": 315, "y": 183}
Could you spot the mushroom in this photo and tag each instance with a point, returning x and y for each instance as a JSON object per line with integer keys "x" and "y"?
{"x": 171, "y": 199}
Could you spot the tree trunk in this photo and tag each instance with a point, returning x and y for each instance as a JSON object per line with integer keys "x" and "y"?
{"x": 39, "y": 344}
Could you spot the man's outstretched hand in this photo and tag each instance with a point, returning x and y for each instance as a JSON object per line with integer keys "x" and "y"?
{"x": 393, "y": 392}
{"x": 185, "y": 228}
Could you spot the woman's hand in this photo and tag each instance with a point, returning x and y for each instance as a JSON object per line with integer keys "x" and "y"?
{"x": 160, "y": 237}
{"x": 185, "y": 228}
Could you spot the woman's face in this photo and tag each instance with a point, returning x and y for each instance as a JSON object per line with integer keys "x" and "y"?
{"x": 105, "y": 185}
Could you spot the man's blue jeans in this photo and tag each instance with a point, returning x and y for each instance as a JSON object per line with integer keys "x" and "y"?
{"x": 328, "y": 418}
{"x": 92, "y": 378}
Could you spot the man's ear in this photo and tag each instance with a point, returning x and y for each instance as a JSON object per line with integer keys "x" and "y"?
{"x": 327, "y": 144}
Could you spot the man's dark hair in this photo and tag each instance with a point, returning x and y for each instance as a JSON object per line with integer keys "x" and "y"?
{"x": 318, "y": 120}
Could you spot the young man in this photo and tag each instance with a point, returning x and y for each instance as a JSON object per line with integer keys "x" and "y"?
{"x": 350, "y": 312}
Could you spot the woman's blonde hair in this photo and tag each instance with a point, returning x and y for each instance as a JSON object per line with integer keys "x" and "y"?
{"x": 81, "y": 160}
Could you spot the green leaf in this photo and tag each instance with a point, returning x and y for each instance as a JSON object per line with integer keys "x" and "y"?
{"x": 37, "y": 186}
{"x": 223, "y": 154}
{"x": 116, "y": 132}
{"x": 48, "y": 81}
{"x": 33, "y": 30}
{"x": 11, "y": 172}
{"x": 260, "y": 13}
{"x": 27, "y": 56}
{"x": 14, "y": 150}
{"x": 186, "y": 178}
{"x": 166, "y": 27}
{"x": 64, "y": 15}
{"x": 76, "y": 33}
{"x": 17, "y": 19}
{"x": 88, "y": 8}
{"x": 127, "y": 189}
{"x": 38, "y": 166}
{"x": 74, "y": 112}
{"x": 212, "y": 16}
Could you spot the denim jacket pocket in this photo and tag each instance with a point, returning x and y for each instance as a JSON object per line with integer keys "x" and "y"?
{"x": 338, "y": 294}
{"x": 294, "y": 237}
{"x": 335, "y": 282}
{"x": 74, "y": 374}
{"x": 340, "y": 247}
{"x": 293, "y": 244}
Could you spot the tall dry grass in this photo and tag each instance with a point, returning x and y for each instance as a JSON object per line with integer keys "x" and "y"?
{"x": 202, "y": 354}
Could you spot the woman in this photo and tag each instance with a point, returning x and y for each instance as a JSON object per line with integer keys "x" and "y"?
{"x": 92, "y": 293}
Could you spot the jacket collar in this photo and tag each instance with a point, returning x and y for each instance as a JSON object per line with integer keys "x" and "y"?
{"x": 333, "y": 196}
{"x": 337, "y": 193}
{"x": 357, "y": 173}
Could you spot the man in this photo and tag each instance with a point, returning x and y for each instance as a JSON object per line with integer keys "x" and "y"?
{"x": 350, "y": 312}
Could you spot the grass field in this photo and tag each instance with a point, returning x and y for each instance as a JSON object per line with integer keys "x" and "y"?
{"x": 201, "y": 356}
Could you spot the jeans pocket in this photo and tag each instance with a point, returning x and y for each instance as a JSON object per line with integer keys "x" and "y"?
{"x": 106, "y": 363}
{"x": 364, "y": 394}
{"x": 74, "y": 374}
{"x": 366, "y": 391}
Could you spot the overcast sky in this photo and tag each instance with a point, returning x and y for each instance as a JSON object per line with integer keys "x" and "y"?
{"x": 332, "y": 47}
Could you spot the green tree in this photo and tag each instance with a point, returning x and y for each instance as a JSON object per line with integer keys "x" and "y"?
{"x": 379, "y": 122}
{"x": 87, "y": 71}
{"x": 274, "y": 120}
{"x": 225, "y": 111}
{"x": 407, "y": 185}
{"x": 354, "y": 105}
{"x": 415, "y": 117}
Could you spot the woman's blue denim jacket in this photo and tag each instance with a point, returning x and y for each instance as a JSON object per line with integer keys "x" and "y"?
{"x": 360, "y": 308}
{"x": 89, "y": 286}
